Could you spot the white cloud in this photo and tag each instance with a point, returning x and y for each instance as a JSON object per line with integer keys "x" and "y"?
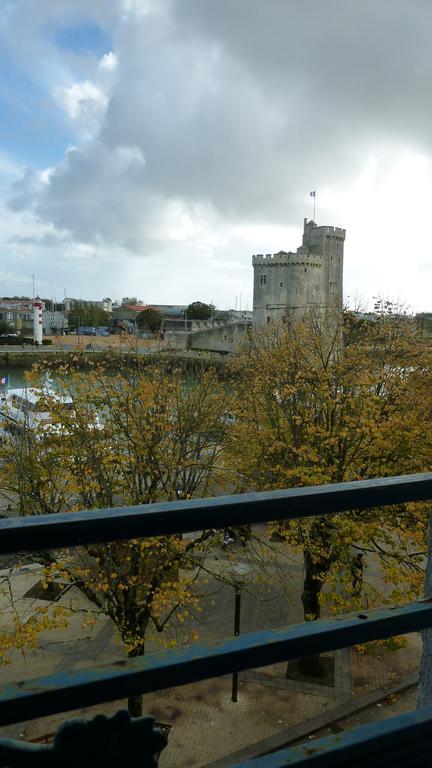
{"x": 45, "y": 175}
{"x": 142, "y": 7}
{"x": 199, "y": 135}
{"x": 108, "y": 62}
{"x": 84, "y": 103}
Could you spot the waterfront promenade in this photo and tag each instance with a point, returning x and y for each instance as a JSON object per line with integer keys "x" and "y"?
{"x": 75, "y": 343}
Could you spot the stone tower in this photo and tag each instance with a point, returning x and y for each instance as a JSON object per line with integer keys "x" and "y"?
{"x": 294, "y": 284}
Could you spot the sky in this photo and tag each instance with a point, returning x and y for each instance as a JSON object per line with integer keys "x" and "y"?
{"x": 149, "y": 147}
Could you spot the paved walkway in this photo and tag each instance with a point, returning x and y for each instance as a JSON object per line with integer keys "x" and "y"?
{"x": 206, "y": 725}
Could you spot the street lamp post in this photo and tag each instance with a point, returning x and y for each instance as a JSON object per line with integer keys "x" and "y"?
{"x": 237, "y": 609}
{"x": 239, "y": 572}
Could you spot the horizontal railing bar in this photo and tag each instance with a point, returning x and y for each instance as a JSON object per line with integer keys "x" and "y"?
{"x": 402, "y": 740}
{"x": 66, "y": 691}
{"x": 101, "y": 525}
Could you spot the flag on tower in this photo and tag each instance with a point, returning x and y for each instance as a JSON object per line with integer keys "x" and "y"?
{"x": 312, "y": 194}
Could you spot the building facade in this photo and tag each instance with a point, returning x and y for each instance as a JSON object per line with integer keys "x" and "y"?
{"x": 54, "y": 322}
{"x": 19, "y": 319}
{"x": 107, "y": 306}
{"x": 290, "y": 284}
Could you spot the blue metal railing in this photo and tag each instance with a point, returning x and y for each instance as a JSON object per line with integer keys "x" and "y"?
{"x": 64, "y": 692}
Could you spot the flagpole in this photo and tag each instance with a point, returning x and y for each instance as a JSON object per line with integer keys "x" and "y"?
{"x": 313, "y": 194}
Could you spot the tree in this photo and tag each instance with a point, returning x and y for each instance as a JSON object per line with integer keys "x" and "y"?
{"x": 159, "y": 441}
{"x": 83, "y": 315}
{"x": 150, "y": 319}
{"x": 130, "y": 300}
{"x": 4, "y": 328}
{"x": 328, "y": 402}
{"x": 199, "y": 311}
{"x": 424, "y": 319}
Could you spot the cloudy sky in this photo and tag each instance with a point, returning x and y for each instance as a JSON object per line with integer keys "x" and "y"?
{"x": 150, "y": 147}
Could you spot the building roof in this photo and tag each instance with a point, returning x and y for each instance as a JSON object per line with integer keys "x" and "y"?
{"x": 175, "y": 310}
{"x": 25, "y": 310}
{"x": 135, "y": 307}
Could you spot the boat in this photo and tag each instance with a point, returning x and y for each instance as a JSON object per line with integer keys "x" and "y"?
{"x": 28, "y": 408}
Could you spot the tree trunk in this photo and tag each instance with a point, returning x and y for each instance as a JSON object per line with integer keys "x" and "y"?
{"x": 357, "y": 569}
{"x": 315, "y": 575}
{"x": 424, "y": 695}
{"x": 135, "y": 707}
{"x": 312, "y": 586}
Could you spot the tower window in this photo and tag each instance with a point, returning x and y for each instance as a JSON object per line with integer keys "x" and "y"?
{"x": 281, "y": 285}
{"x": 268, "y": 319}
{"x": 263, "y": 279}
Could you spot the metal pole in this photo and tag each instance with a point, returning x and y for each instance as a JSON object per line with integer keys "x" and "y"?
{"x": 237, "y": 609}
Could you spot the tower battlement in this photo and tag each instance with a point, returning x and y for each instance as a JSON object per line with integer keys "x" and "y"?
{"x": 272, "y": 258}
{"x": 327, "y": 230}
{"x": 287, "y": 259}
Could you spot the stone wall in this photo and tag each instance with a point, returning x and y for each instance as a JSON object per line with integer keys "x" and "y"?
{"x": 225, "y": 338}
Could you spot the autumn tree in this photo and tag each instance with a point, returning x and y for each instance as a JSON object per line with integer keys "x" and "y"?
{"x": 330, "y": 401}
{"x": 159, "y": 440}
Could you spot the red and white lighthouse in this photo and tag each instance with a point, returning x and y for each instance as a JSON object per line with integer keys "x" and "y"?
{"x": 37, "y": 320}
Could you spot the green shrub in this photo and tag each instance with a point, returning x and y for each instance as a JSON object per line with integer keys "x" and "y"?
{"x": 46, "y": 342}
{"x": 14, "y": 341}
